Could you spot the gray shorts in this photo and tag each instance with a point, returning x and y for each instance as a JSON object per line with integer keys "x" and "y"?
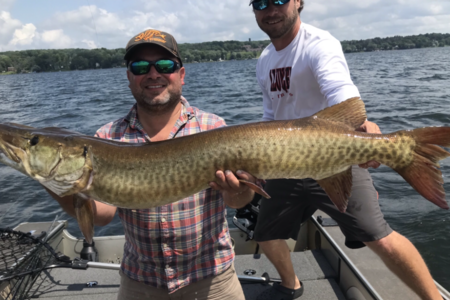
{"x": 293, "y": 201}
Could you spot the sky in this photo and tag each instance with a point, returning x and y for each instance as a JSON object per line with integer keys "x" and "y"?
{"x": 88, "y": 24}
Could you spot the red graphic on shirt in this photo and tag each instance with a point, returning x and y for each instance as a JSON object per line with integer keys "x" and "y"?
{"x": 280, "y": 79}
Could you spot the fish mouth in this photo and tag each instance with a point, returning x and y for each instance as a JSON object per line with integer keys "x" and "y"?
{"x": 9, "y": 157}
{"x": 6, "y": 160}
{"x": 17, "y": 158}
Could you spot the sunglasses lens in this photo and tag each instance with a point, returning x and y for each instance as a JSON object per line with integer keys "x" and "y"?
{"x": 260, "y": 5}
{"x": 280, "y": 2}
{"x": 165, "y": 66}
{"x": 140, "y": 67}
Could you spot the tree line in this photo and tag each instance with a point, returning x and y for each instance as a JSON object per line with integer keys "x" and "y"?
{"x": 81, "y": 59}
{"x": 397, "y": 43}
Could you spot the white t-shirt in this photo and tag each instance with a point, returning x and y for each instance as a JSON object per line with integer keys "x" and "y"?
{"x": 307, "y": 76}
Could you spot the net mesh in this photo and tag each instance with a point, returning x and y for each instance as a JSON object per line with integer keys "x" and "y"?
{"x": 20, "y": 253}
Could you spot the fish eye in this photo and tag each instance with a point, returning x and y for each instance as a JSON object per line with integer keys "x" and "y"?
{"x": 34, "y": 140}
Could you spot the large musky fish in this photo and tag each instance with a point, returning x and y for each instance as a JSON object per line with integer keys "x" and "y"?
{"x": 323, "y": 147}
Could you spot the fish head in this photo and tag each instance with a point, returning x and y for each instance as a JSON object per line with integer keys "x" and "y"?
{"x": 52, "y": 156}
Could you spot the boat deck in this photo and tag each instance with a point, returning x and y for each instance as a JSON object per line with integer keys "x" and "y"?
{"x": 312, "y": 269}
{"x": 325, "y": 273}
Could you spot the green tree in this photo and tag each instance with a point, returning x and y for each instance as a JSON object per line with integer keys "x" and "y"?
{"x": 79, "y": 63}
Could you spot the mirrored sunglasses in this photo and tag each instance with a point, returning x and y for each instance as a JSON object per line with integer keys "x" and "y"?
{"x": 263, "y": 4}
{"x": 163, "y": 66}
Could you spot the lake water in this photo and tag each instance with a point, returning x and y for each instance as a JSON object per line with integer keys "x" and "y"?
{"x": 402, "y": 90}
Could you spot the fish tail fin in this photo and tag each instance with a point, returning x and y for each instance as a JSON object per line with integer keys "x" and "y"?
{"x": 423, "y": 172}
{"x": 432, "y": 135}
{"x": 84, "y": 210}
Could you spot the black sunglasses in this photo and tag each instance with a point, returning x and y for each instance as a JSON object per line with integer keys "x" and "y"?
{"x": 163, "y": 66}
{"x": 263, "y": 4}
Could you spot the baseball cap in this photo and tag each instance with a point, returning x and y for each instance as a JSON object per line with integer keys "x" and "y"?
{"x": 155, "y": 37}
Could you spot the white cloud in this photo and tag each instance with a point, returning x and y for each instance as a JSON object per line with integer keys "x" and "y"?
{"x": 56, "y": 39}
{"x": 197, "y": 21}
{"x": 5, "y": 5}
{"x": 7, "y": 27}
{"x": 349, "y": 20}
{"x": 205, "y": 20}
{"x": 90, "y": 44}
{"x": 28, "y": 37}
{"x": 24, "y": 36}
{"x": 141, "y": 21}
{"x": 90, "y": 19}
{"x": 435, "y": 9}
{"x": 318, "y": 8}
{"x": 91, "y": 26}
{"x": 365, "y": 3}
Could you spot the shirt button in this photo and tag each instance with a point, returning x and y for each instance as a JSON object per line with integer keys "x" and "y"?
{"x": 163, "y": 219}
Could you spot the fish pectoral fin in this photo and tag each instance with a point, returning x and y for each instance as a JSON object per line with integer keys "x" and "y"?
{"x": 338, "y": 187}
{"x": 256, "y": 187}
{"x": 84, "y": 210}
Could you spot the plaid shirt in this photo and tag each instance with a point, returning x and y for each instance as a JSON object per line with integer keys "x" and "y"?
{"x": 180, "y": 243}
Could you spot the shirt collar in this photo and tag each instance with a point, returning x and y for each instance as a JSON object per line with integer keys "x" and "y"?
{"x": 187, "y": 113}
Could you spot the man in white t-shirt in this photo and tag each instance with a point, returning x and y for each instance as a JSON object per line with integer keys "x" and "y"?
{"x": 303, "y": 71}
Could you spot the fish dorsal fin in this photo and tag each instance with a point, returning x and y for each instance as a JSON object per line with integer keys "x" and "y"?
{"x": 351, "y": 112}
{"x": 19, "y": 125}
{"x": 59, "y": 130}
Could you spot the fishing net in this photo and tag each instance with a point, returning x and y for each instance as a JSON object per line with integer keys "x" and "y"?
{"x": 23, "y": 257}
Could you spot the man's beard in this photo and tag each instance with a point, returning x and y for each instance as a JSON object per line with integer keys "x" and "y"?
{"x": 274, "y": 33}
{"x": 161, "y": 107}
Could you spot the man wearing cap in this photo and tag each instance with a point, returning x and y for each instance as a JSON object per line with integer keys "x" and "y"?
{"x": 311, "y": 67}
{"x": 181, "y": 250}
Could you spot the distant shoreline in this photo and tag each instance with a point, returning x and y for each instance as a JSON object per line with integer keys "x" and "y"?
{"x": 30, "y": 61}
